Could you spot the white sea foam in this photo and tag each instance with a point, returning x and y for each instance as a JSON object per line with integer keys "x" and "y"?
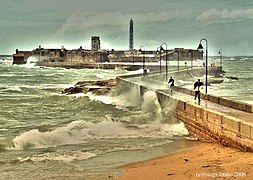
{"x": 248, "y": 102}
{"x": 139, "y": 71}
{"x": 78, "y": 131}
{"x": 31, "y": 60}
{"x": 7, "y": 75}
{"x": 13, "y": 88}
{"x": 60, "y": 155}
{"x": 100, "y": 76}
{"x": 104, "y": 99}
{"x": 55, "y": 74}
{"x": 74, "y": 133}
{"x": 175, "y": 129}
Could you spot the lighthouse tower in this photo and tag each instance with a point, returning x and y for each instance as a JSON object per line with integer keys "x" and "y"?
{"x": 131, "y": 36}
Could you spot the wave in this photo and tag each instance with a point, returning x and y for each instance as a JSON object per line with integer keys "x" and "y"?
{"x": 78, "y": 131}
{"x": 59, "y": 155}
{"x": 120, "y": 100}
{"x": 27, "y": 88}
{"x": 148, "y": 122}
{"x": 6, "y": 144}
{"x": 75, "y": 133}
{"x": 15, "y": 89}
{"x": 55, "y": 74}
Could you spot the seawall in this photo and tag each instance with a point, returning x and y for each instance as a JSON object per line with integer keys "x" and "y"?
{"x": 204, "y": 123}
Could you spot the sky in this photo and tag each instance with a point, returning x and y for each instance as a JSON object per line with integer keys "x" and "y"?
{"x": 227, "y": 25}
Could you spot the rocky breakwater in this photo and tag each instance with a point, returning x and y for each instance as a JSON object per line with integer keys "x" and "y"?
{"x": 100, "y": 87}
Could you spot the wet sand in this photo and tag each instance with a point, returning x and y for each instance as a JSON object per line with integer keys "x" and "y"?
{"x": 203, "y": 161}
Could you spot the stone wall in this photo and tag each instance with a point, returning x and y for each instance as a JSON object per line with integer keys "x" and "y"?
{"x": 210, "y": 125}
{"x": 205, "y": 124}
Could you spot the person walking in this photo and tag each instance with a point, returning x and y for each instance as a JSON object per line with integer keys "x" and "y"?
{"x": 197, "y": 86}
{"x": 171, "y": 82}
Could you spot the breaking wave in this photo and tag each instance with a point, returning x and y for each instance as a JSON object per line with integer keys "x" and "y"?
{"x": 146, "y": 122}
{"x": 79, "y": 131}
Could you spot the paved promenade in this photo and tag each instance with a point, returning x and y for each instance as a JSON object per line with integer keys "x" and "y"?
{"x": 163, "y": 86}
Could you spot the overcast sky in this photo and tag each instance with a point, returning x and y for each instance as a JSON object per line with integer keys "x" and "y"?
{"x": 226, "y": 24}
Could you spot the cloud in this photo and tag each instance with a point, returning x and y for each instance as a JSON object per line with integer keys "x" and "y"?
{"x": 80, "y": 20}
{"x": 214, "y": 14}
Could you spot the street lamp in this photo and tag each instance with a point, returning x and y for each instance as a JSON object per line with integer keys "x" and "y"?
{"x": 39, "y": 52}
{"x": 200, "y": 48}
{"x": 133, "y": 55}
{"x": 166, "y": 57}
{"x": 143, "y": 58}
{"x": 159, "y": 51}
{"x": 177, "y": 52}
{"x": 190, "y": 52}
{"x": 220, "y": 53}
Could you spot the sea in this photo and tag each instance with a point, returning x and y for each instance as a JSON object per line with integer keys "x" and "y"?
{"x": 45, "y": 134}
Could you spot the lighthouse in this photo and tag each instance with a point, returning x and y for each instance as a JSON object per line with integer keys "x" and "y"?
{"x": 131, "y": 36}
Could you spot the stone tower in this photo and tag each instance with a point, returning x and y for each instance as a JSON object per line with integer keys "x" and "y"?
{"x": 131, "y": 36}
{"x": 95, "y": 43}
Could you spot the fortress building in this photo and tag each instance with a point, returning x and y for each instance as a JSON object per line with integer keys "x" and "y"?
{"x": 95, "y": 43}
{"x": 77, "y": 57}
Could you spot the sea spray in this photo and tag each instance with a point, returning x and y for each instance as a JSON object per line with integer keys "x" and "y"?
{"x": 151, "y": 119}
{"x": 151, "y": 105}
{"x": 121, "y": 97}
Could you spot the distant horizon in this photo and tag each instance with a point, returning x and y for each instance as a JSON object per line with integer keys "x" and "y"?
{"x": 10, "y": 55}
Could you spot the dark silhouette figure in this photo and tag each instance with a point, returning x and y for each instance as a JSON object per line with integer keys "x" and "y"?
{"x": 171, "y": 82}
{"x": 197, "y": 85}
{"x": 145, "y": 70}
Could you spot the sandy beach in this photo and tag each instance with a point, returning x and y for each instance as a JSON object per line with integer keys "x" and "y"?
{"x": 203, "y": 161}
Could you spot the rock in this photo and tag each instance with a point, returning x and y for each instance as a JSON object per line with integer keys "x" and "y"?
{"x": 72, "y": 90}
{"x": 100, "y": 87}
{"x": 231, "y": 77}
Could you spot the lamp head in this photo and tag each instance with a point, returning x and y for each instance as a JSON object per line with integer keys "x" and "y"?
{"x": 200, "y": 47}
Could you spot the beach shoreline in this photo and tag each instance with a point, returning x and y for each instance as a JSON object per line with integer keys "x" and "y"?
{"x": 202, "y": 161}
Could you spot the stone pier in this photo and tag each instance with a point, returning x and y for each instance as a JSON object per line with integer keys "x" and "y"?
{"x": 216, "y": 119}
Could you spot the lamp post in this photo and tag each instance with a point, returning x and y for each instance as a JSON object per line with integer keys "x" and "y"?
{"x": 166, "y": 58}
{"x": 200, "y": 48}
{"x": 159, "y": 51}
{"x": 177, "y": 52}
{"x": 143, "y": 58}
{"x": 39, "y": 52}
{"x": 220, "y": 53}
{"x": 190, "y": 52}
{"x": 132, "y": 53}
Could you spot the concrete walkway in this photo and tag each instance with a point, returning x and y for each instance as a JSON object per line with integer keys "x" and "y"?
{"x": 163, "y": 86}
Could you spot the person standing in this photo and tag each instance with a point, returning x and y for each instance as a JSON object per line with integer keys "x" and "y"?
{"x": 197, "y": 86}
